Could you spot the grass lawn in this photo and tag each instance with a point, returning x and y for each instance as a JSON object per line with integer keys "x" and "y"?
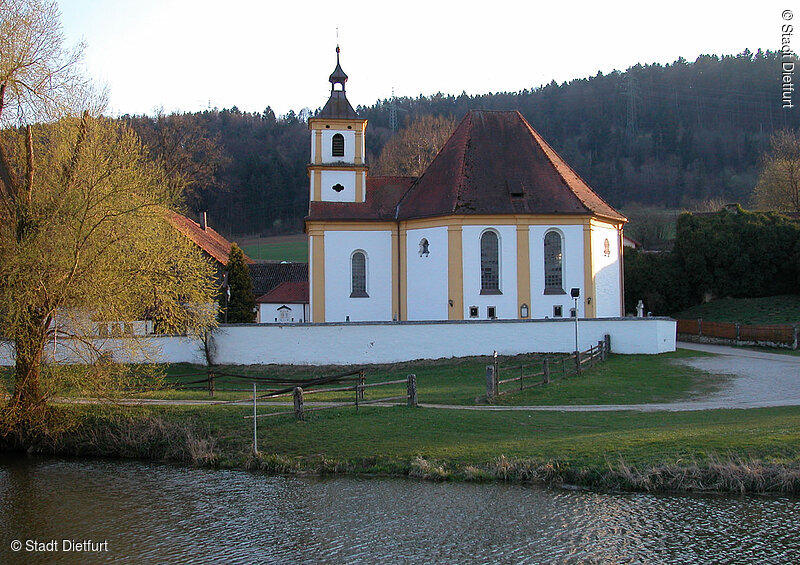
{"x": 467, "y": 437}
{"x": 278, "y": 251}
{"x": 753, "y": 311}
{"x": 622, "y": 379}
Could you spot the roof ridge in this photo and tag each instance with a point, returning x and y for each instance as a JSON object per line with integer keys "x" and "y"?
{"x": 462, "y": 176}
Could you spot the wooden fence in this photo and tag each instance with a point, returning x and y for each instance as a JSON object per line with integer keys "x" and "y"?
{"x": 785, "y": 335}
{"x": 541, "y": 371}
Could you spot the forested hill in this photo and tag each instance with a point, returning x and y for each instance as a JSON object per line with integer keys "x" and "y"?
{"x": 660, "y": 135}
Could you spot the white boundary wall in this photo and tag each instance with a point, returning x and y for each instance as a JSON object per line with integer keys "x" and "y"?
{"x": 372, "y": 342}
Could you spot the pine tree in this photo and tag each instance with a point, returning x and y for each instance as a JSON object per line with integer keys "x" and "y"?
{"x": 242, "y": 302}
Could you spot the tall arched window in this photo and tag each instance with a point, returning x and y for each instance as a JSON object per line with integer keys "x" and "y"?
{"x": 337, "y": 145}
{"x": 553, "y": 263}
{"x": 490, "y": 263}
{"x": 358, "y": 275}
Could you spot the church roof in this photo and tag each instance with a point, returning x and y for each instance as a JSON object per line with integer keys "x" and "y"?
{"x": 381, "y": 198}
{"x": 496, "y": 163}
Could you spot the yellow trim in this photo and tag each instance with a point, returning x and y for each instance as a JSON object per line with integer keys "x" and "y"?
{"x": 589, "y": 306}
{"x": 359, "y": 158}
{"x": 337, "y": 124}
{"x": 359, "y": 186}
{"x": 491, "y": 220}
{"x": 621, "y": 251}
{"x": 345, "y": 167}
{"x": 318, "y": 147}
{"x": 350, "y": 226}
{"x": 523, "y": 269}
{"x": 318, "y": 274}
{"x": 455, "y": 274}
{"x": 317, "y": 176}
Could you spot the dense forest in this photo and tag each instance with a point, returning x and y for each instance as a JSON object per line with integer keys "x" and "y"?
{"x": 670, "y": 135}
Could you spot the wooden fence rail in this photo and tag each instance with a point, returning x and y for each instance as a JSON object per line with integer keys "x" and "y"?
{"x": 528, "y": 377}
{"x": 781, "y": 334}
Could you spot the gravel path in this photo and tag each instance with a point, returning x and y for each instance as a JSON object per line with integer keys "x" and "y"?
{"x": 757, "y": 380}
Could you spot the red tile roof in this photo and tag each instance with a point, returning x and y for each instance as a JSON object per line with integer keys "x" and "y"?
{"x": 381, "y": 198}
{"x": 289, "y": 292}
{"x": 496, "y": 163}
{"x": 208, "y": 240}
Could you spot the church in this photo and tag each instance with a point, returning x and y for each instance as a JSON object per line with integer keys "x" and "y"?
{"x": 497, "y": 227}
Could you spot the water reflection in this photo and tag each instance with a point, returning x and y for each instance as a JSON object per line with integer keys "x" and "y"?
{"x": 162, "y": 514}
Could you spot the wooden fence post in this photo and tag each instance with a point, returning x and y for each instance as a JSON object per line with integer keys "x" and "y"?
{"x": 601, "y": 346}
{"x": 521, "y": 375}
{"x": 298, "y": 403}
{"x": 491, "y": 384}
{"x": 699, "y": 326}
{"x": 794, "y": 337}
{"x": 411, "y": 386}
{"x": 608, "y": 344}
{"x": 361, "y": 380}
{"x": 546, "y": 371}
{"x": 211, "y": 385}
{"x": 255, "y": 422}
{"x": 737, "y": 331}
{"x": 577, "y": 362}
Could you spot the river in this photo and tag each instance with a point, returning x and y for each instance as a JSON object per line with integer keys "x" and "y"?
{"x": 153, "y": 513}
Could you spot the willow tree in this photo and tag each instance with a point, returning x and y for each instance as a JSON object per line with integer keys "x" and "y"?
{"x": 84, "y": 236}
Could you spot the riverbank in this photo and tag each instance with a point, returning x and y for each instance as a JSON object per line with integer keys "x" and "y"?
{"x": 753, "y": 451}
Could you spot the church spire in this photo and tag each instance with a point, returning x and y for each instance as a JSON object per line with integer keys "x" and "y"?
{"x": 338, "y": 106}
{"x": 338, "y": 76}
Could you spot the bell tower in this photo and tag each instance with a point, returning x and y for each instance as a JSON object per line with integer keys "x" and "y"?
{"x": 337, "y": 172}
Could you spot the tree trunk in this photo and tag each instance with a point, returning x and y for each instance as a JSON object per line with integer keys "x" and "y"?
{"x": 29, "y": 343}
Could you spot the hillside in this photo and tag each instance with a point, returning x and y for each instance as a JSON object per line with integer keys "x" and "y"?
{"x": 669, "y": 135}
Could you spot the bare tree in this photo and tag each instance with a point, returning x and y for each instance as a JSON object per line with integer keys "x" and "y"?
{"x": 413, "y": 148}
{"x": 778, "y": 186}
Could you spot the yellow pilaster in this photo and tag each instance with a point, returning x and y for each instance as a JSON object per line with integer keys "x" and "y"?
{"x": 318, "y": 276}
{"x": 403, "y": 291}
{"x": 317, "y": 185}
{"x": 359, "y": 186}
{"x": 455, "y": 274}
{"x": 588, "y": 270}
{"x": 318, "y": 147}
{"x": 359, "y": 157}
{"x": 523, "y": 269}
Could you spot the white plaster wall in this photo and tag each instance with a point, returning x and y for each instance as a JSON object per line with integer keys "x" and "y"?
{"x": 606, "y": 269}
{"x": 339, "y": 247}
{"x": 361, "y": 343}
{"x": 506, "y": 302}
{"x": 541, "y": 303}
{"x": 327, "y": 146}
{"x": 270, "y": 313}
{"x": 427, "y": 276}
{"x": 346, "y": 178}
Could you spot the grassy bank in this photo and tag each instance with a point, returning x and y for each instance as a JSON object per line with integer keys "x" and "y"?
{"x": 726, "y": 450}
{"x": 754, "y": 311}
{"x": 730, "y": 450}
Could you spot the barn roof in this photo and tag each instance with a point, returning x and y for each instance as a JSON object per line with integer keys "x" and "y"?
{"x": 289, "y": 292}
{"x": 206, "y": 239}
{"x": 268, "y": 275}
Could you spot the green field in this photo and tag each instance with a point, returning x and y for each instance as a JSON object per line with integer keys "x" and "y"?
{"x": 755, "y": 311}
{"x": 278, "y": 251}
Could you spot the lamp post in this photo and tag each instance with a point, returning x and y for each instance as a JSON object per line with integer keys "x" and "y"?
{"x": 575, "y": 293}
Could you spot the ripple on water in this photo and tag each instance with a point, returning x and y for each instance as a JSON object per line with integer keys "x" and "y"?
{"x": 158, "y": 513}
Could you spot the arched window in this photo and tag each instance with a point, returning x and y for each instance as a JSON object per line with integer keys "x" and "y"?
{"x": 553, "y": 263}
{"x": 358, "y": 275}
{"x": 337, "y": 145}
{"x": 490, "y": 263}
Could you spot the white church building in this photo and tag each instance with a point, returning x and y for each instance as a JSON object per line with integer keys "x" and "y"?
{"x": 497, "y": 227}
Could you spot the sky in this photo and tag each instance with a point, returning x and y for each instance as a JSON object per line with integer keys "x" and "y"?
{"x": 180, "y": 55}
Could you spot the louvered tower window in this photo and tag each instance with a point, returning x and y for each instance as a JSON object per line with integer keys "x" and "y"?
{"x": 337, "y": 147}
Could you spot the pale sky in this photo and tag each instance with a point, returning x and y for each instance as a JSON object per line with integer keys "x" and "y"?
{"x": 188, "y": 55}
